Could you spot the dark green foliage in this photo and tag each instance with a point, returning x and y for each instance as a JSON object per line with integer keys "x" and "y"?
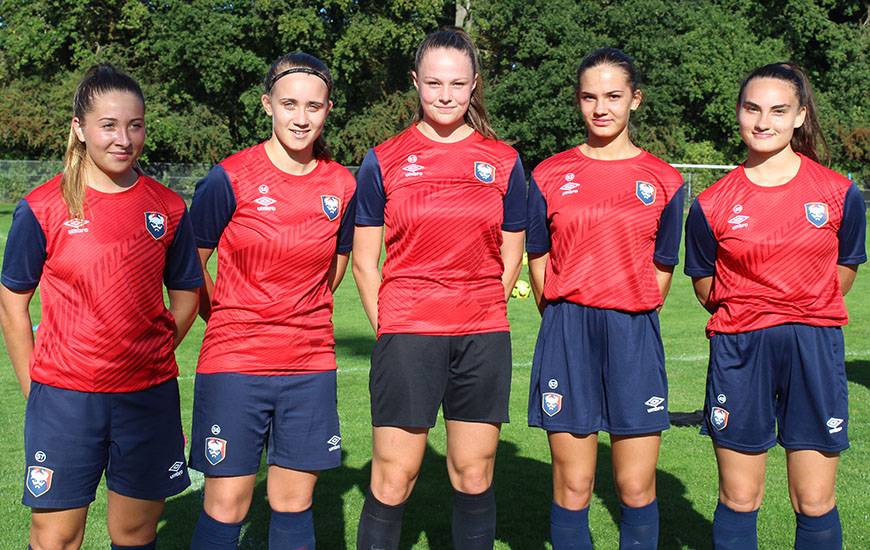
{"x": 201, "y": 63}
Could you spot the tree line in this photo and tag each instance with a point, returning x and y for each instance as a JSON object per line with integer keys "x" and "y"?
{"x": 201, "y": 65}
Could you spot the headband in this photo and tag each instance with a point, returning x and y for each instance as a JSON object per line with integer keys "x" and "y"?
{"x": 306, "y": 70}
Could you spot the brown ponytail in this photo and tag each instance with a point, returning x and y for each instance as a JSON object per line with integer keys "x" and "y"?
{"x": 98, "y": 80}
{"x": 808, "y": 139}
{"x": 455, "y": 38}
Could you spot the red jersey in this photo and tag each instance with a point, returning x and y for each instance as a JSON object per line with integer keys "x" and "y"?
{"x": 276, "y": 236}
{"x": 773, "y": 251}
{"x": 444, "y": 206}
{"x": 104, "y": 325}
{"x": 604, "y": 222}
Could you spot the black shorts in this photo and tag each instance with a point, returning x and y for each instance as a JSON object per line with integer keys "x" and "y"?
{"x": 412, "y": 374}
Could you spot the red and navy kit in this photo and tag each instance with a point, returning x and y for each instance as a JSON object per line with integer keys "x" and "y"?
{"x": 604, "y": 223}
{"x": 774, "y": 251}
{"x": 104, "y": 325}
{"x": 444, "y": 206}
{"x": 276, "y": 236}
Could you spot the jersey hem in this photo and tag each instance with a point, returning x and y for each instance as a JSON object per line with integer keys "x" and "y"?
{"x": 852, "y": 260}
{"x": 374, "y": 222}
{"x": 200, "y": 243}
{"x": 513, "y": 227}
{"x": 266, "y": 372}
{"x": 20, "y": 286}
{"x": 344, "y": 249}
{"x": 444, "y": 333}
{"x": 188, "y": 284}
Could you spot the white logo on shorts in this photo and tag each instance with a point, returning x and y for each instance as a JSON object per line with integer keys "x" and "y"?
{"x": 39, "y": 456}
{"x": 553, "y": 383}
{"x": 655, "y": 404}
{"x": 721, "y": 398}
{"x": 834, "y": 425}
{"x": 215, "y": 429}
{"x": 176, "y": 469}
{"x": 334, "y": 442}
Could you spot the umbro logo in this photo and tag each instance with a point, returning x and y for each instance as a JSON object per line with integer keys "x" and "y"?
{"x": 570, "y": 188}
{"x": 412, "y": 168}
{"x": 834, "y": 425}
{"x": 265, "y": 204}
{"x": 76, "y": 225}
{"x": 655, "y": 404}
{"x": 334, "y": 443}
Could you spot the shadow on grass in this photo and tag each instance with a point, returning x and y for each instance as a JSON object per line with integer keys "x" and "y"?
{"x": 858, "y": 372}
{"x": 355, "y": 345}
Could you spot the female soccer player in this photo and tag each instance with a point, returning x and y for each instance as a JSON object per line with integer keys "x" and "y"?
{"x": 451, "y": 199}
{"x": 100, "y": 240}
{"x": 603, "y": 238}
{"x": 281, "y": 216}
{"x": 772, "y": 248}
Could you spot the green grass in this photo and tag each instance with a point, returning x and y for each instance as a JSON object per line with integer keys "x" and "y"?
{"x": 686, "y": 473}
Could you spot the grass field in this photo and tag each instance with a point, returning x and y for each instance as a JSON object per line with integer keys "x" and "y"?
{"x": 686, "y": 472}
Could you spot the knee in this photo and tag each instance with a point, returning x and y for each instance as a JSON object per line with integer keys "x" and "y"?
{"x": 290, "y": 501}
{"x": 636, "y": 493}
{"x": 133, "y": 533}
{"x": 392, "y": 486}
{"x": 742, "y": 499}
{"x": 574, "y": 493}
{"x": 227, "y": 508}
{"x": 814, "y": 505}
{"x": 44, "y": 540}
{"x": 471, "y": 479}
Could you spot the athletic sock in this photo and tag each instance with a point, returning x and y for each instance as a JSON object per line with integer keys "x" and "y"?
{"x": 734, "y": 530}
{"x": 380, "y": 525}
{"x": 291, "y": 530}
{"x": 639, "y": 527}
{"x": 211, "y": 534}
{"x": 569, "y": 529}
{"x": 474, "y": 520}
{"x": 150, "y": 546}
{"x": 819, "y": 533}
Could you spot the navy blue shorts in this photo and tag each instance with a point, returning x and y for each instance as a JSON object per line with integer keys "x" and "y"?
{"x": 72, "y": 437}
{"x": 234, "y": 415}
{"x": 598, "y": 370}
{"x": 793, "y": 376}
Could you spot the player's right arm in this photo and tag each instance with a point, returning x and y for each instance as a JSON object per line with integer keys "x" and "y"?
{"x": 23, "y": 261}
{"x": 701, "y": 248}
{"x": 537, "y": 269}
{"x": 368, "y": 235}
{"x": 537, "y": 241}
{"x": 211, "y": 209}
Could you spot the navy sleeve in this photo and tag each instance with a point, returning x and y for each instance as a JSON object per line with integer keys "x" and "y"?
{"x": 212, "y": 207}
{"x": 182, "y": 270}
{"x": 345, "y": 230}
{"x": 25, "y": 251}
{"x": 701, "y": 244}
{"x": 370, "y": 198}
{"x": 515, "y": 200}
{"x": 538, "y": 228}
{"x": 667, "y": 251}
{"x": 853, "y": 229}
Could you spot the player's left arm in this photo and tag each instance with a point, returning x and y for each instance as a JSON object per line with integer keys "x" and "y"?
{"x": 513, "y": 227}
{"x": 851, "y": 236}
{"x": 182, "y": 276}
{"x": 667, "y": 248}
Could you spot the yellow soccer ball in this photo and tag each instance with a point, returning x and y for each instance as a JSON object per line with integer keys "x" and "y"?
{"x": 522, "y": 290}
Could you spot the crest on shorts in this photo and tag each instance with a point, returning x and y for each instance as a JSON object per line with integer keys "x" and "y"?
{"x": 646, "y": 192}
{"x": 331, "y": 206}
{"x": 155, "y": 223}
{"x": 551, "y": 402}
{"x": 39, "y": 480}
{"x": 484, "y": 172}
{"x": 215, "y": 450}
{"x": 817, "y": 213}
{"x": 719, "y": 418}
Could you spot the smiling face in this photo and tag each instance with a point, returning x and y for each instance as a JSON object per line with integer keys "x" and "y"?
{"x": 113, "y": 132}
{"x": 768, "y": 114}
{"x": 298, "y": 104}
{"x": 606, "y": 101}
{"x": 445, "y": 80}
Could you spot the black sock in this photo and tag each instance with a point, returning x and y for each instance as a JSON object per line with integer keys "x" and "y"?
{"x": 474, "y": 520}
{"x": 380, "y": 525}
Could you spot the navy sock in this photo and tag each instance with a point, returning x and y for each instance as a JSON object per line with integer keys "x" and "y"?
{"x": 569, "y": 529}
{"x": 380, "y": 525}
{"x": 211, "y": 534}
{"x": 150, "y": 546}
{"x": 639, "y": 527}
{"x": 291, "y": 530}
{"x": 474, "y": 520}
{"x": 734, "y": 530}
{"x": 819, "y": 533}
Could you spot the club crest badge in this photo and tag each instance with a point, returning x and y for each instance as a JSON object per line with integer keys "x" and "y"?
{"x": 551, "y": 402}
{"x": 155, "y": 223}
{"x": 331, "y": 206}
{"x": 646, "y": 192}
{"x": 719, "y": 418}
{"x": 817, "y": 213}
{"x": 215, "y": 450}
{"x": 39, "y": 480}
{"x": 484, "y": 172}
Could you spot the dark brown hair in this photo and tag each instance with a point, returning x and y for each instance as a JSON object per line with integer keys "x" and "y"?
{"x": 808, "y": 138}
{"x": 98, "y": 80}
{"x": 614, "y": 57}
{"x": 455, "y": 38}
{"x": 306, "y": 63}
